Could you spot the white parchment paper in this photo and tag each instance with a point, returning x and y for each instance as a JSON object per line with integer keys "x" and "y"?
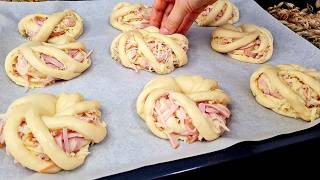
{"x": 130, "y": 144}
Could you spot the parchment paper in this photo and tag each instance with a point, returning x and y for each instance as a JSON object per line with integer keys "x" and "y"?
{"x": 130, "y": 144}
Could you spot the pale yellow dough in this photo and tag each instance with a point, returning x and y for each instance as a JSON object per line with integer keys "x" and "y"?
{"x": 133, "y": 50}
{"x": 187, "y": 91}
{"x": 248, "y": 42}
{"x": 44, "y": 32}
{"x": 126, "y": 16}
{"x": 219, "y": 13}
{"x": 290, "y": 90}
{"x": 36, "y": 72}
{"x": 43, "y": 113}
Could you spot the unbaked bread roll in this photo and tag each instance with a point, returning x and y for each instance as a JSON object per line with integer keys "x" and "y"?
{"x": 126, "y": 16}
{"x": 36, "y": 64}
{"x": 59, "y": 28}
{"x": 185, "y": 108}
{"x": 290, "y": 90}
{"x": 149, "y": 50}
{"x": 219, "y": 13}
{"x": 248, "y": 42}
{"x": 48, "y": 133}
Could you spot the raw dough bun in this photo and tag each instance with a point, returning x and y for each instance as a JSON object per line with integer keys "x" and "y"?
{"x": 188, "y": 92}
{"x": 33, "y": 123}
{"x": 150, "y": 50}
{"x": 126, "y": 16}
{"x": 290, "y": 90}
{"x": 36, "y": 64}
{"x": 59, "y": 28}
{"x": 248, "y": 42}
{"x": 219, "y": 13}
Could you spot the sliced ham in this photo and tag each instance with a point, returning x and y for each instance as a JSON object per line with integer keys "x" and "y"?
{"x": 39, "y": 20}
{"x": 69, "y": 141}
{"x": 262, "y": 84}
{"x": 76, "y": 143}
{"x": 51, "y": 61}
{"x": 22, "y": 66}
{"x": 173, "y": 140}
{"x": 69, "y": 22}
{"x": 2, "y": 123}
{"x": 65, "y": 140}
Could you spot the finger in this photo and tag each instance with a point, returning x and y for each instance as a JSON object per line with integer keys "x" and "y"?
{"x": 189, "y": 19}
{"x": 158, "y": 9}
{"x": 173, "y": 21}
{"x": 167, "y": 12}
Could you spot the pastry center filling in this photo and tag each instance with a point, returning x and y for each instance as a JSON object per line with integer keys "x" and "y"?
{"x": 138, "y": 18}
{"x": 51, "y": 61}
{"x": 172, "y": 118}
{"x": 2, "y": 123}
{"x": 34, "y": 25}
{"x": 78, "y": 54}
{"x": 250, "y": 50}
{"x": 216, "y": 112}
{"x": 69, "y": 141}
{"x": 66, "y": 24}
{"x": 266, "y": 89}
{"x": 91, "y": 116}
{"x": 22, "y": 68}
{"x": 309, "y": 95}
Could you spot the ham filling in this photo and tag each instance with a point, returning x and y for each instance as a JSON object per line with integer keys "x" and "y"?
{"x": 2, "y": 123}
{"x": 216, "y": 112}
{"x": 247, "y": 50}
{"x": 311, "y": 98}
{"x": 174, "y": 121}
{"x": 70, "y": 141}
{"x": 159, "y": 49}
{"x": 23, "y": 69}
{"x": 64, "y": 25}
{"x": 138, "y": 18}
{"x": 51, "y": 61}
{"x": 264, "y": 87}
{"x": 89, "y": 116}
{"x": 78, "y": 54}
{"x": 34, "y": 26}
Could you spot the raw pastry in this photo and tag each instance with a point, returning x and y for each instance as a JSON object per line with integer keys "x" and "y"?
{"x": 126, "y": 16}
{"x": 219, "y": 13}
{"x": 58, "y": 28}
{"x": 36, "y": 64}
{"x": 187, "y": 108}
{"x": 48, "y": 133}
{"x": 248, "y": 43}
{"x": 290, "y": 90}
{"x": 149, "y": 50}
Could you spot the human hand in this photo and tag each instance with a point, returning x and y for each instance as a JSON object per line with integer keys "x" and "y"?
{"x": 176, "y": 15}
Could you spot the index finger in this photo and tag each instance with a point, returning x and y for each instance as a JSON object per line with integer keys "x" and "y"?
{"x": 158, "y": 9}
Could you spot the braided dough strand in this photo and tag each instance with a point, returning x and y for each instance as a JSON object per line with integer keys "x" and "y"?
{"x": 59, "y": 28}
{"x": 219, "y": 13}
{"x": 149, "y": 50}
{"x": 290, "y": 90}
{"x": 248, "y": 43}
{"x": 36, "y": 64}
{"x": 32, "y": 131}
{"x": 188, "y": 108}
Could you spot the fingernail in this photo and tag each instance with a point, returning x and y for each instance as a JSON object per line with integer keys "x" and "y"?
{"x": 164, "y": 31}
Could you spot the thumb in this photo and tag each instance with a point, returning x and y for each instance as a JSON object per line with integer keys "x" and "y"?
{"x": 171, "y": 24}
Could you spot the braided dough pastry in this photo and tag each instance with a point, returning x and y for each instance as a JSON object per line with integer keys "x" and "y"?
{"x": 126, "y": 16}
{"x": 48, "y": 133}
{"x": 36, "y": 64}
{"x": 248, "y": 43}
{"x": 149, "y": 50}
{"x": 58, "y": 28}
{"x": 219, "y": 13}
{"x": 290, "y": 90}
{"x": 187, "y": 108}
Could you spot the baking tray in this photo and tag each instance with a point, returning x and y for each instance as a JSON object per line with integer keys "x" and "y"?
{"x": 242, "y": 151}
